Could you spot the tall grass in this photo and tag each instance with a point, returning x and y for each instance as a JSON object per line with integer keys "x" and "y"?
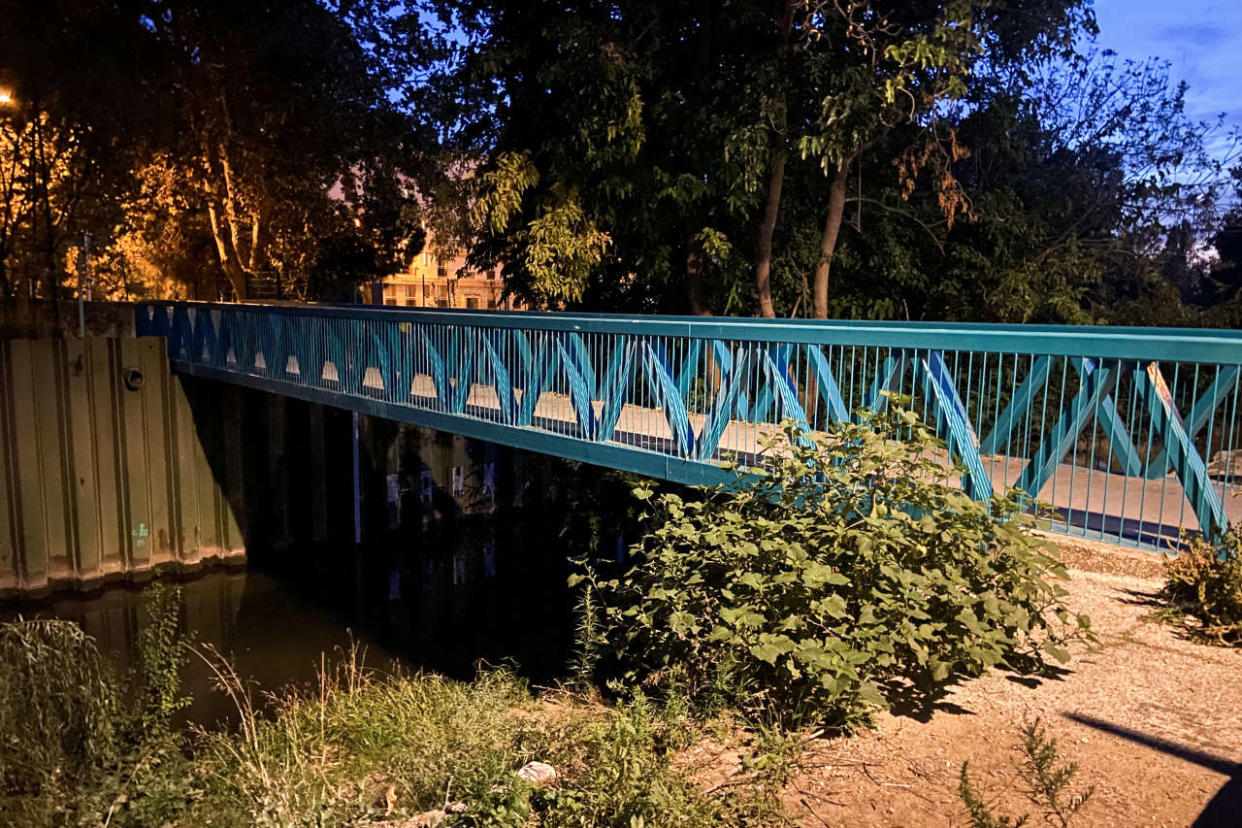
{"x": 360, "y": 744}
{"x": 83, "y": 744}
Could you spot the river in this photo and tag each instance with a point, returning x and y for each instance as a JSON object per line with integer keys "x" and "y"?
{"x": 491, "y": 590}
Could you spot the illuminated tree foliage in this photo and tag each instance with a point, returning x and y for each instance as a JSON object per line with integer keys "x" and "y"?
{"x": 234, "y": 142}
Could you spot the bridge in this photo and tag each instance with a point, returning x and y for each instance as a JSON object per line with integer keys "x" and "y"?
{"x": 1131, "y": 434}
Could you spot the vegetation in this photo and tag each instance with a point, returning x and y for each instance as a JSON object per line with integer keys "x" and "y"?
{"x": 847, "y": 159}
{"x": 360, "y": 746}
{"x": 1203, "y": 589}
{"x": 845, "y": 575}
{"x": 204, "y": 148}
{"x": 848, "y": 576}
{"x": 82, "y": 740}
{"x": 968, "y": 160}
{"x": 1046, "y": 781}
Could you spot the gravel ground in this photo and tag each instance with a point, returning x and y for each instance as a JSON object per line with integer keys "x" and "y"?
{"x": 1153, "y": 720}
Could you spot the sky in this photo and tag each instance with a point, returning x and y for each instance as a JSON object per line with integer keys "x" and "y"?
{"x": 1201, "y": 38}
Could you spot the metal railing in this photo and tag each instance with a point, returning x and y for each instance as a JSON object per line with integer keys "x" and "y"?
{"x": 1131, "y": 434}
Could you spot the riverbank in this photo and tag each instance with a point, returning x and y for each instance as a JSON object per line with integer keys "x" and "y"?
{"x": 1149, "y": 717}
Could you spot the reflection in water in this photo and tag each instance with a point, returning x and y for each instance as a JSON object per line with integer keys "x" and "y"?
{"x": 490, "y": 589}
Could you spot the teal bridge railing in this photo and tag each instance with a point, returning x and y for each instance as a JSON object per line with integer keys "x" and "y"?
{"x": 1131, "y": 434}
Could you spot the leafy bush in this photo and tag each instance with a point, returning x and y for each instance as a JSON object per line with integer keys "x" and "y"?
{"x": 1204, "y": 588}
{"x": 843, "y": 574}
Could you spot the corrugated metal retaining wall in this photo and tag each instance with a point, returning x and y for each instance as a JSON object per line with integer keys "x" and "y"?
{"x": 101, "y": 470}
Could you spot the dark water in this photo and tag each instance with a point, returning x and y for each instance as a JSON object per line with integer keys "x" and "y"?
{"x": 491, "y": 590}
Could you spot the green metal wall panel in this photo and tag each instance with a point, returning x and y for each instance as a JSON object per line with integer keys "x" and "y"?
{"x": 8, "y": 529}
{"x": 98, "y": 479}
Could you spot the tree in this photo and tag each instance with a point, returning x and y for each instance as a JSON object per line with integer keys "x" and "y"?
{"x": 74, "y": 117}
{"x": 640, "y": 143}
{"x": 257, "y": 127}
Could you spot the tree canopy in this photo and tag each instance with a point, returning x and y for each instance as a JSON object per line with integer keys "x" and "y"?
{"x": 954, "y": 159}
{"x": 224, "y": 143}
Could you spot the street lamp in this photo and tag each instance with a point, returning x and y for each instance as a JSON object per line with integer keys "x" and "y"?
{"x": 6, "y": 97}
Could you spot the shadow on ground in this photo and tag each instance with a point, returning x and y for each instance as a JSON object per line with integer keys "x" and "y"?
{"x": 1225, "y": 809}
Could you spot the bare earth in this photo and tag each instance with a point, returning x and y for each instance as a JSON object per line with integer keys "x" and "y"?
{"x": 1153, "y": 720}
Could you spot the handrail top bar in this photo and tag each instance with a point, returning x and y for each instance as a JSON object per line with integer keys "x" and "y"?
{"x": 1103, "y": 342}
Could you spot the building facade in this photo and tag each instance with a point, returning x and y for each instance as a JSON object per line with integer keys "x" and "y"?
{"x": 440, "y": 279}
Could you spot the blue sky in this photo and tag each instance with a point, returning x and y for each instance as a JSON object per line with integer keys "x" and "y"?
{"x": 1201, "y": 38}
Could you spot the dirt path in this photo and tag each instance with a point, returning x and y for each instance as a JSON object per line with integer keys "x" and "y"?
{"x": 1153, "y": 720}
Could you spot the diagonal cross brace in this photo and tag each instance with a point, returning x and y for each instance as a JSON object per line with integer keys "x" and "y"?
{"x": 721, "y": 410}
{"x": 953, "y": 424}
{"x": 614, "y": 389}
{"x": 1200, "y": 412}
{"x": 667, "y": 396}
{"x": 1118, "y": 437}
{"x": 1093, "y": 387}
{"x": 1182, "y": 454}
{"x": 827, "y": 383}
{"x": 1023, "y": 397}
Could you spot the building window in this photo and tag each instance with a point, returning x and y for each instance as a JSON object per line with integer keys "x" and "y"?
{"x": 390, "y": 302}
{"x": 441, "y": 269}
{"x": 441, "y": 303}
{"x": 491, "y": 303}
{"x": 472, "y": 302}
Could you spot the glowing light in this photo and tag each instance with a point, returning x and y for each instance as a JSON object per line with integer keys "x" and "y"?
{"x": 6, "y": 97}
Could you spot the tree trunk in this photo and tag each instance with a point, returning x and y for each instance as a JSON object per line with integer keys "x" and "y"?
{"x": 771, "y": 210}
{"x": 763, "y": 239}
{"x": 828, "y": 242}
{"x": 695, "y": 292}
{"x": 233, "y": 271}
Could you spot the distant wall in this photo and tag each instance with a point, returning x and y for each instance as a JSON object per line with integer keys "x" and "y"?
{"x": 102, "y": 473}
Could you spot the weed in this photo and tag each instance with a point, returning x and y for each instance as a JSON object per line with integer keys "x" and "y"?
{"x": 1047, "y": 780}
{"x": 1047, "y": 783}
{"x": 620, "y": 774}
{"x": 979, "y": 813}
{"x": 162, "y": 654}
{"x": 1203, "y": 589}
{"x": 82, "y": 745}
{"x": 359, "y": 745}
{"x": 588, "y": 639}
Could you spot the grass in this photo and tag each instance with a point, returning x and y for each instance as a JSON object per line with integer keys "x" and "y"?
{"x": 361, "y": 746}
{"x": 366, "y": 746}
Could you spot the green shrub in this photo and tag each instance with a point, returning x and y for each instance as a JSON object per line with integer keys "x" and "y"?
{"x": 60, "y": 705}
{"x": 1203, "y": 588}
{"x": 162, "y": 654}
{"x": 80, "y": 743}
{"x": 843, "y": 574}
